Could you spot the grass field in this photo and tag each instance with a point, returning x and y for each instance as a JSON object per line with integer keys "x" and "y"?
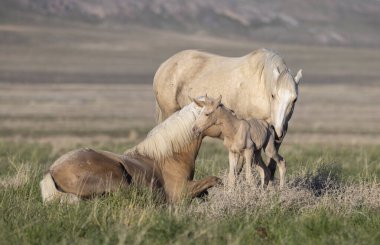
{"x": 332, "y": 196}
{"x": 66, "y": 85}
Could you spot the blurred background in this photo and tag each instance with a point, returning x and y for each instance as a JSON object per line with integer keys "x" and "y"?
{"x": 81, "y": 71}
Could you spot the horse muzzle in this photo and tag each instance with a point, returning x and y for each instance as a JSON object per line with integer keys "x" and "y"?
{"x": 196, "y": 131}
{"x": 278, "y": 133}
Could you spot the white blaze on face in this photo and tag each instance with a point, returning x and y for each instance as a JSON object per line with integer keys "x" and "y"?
{"x": 285, "y": 98}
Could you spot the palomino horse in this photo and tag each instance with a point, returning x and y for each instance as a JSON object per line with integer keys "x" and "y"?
{"x": 258, "y": 85}
{"x": 242, "y": 138}
{"x": 165, "y": 159}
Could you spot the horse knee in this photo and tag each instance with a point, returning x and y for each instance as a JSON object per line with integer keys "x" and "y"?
{"x": 200, "y": 186}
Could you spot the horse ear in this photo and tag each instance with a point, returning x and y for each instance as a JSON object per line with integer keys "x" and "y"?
{"x": 219, "y": 99}
{"x": 298, "y": 77}
{"x": 276, "y": 73}
{"x": 196, "y": 101}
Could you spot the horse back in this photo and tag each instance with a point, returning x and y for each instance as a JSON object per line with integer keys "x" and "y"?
{"x": 188, "y": 73}
{"x": 240, "y": 80}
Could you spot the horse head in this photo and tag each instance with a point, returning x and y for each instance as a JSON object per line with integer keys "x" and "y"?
{"x": 207, "y": 117}
{"x": 284, "y": 95}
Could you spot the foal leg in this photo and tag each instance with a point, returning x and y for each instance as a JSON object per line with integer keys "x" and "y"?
{"x": 248, "y": 154}
{"x": 240, "y": 165}
{"x": 233, "y": 159}
{"x": 271, "y": 150}
{"x": 280, "y": 161}
{"x": 282, "y": 168}
{"x": 275, "y": 146}
{"x": 282, "y": 165}
{"x": 262, "y": 169}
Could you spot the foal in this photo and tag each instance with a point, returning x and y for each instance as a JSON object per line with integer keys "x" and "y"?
{"x": 242, "y": 138}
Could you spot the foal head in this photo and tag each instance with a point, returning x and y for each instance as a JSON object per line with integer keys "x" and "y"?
{"x": 208, "y": 116}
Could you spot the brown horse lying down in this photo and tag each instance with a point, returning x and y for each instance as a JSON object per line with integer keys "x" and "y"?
{"x": 164, "y": 160}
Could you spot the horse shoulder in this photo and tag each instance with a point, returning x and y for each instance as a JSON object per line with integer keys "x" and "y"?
{"x": 241, "y": 139}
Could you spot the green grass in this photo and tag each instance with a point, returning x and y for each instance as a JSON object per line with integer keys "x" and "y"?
{"x": 137, "y": 216}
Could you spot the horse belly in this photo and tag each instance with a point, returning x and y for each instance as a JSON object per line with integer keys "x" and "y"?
{"x": 87, "y": 172}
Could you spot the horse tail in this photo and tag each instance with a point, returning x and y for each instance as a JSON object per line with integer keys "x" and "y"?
{"x": 49, "y": 191}
{"x": 158, "y": 114}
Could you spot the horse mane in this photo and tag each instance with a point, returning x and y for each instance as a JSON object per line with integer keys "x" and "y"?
{"x": 265, "y": 61}
{"x": 171, "y": 136}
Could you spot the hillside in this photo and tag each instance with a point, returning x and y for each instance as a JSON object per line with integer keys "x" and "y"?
{"x": 325, "y": 22}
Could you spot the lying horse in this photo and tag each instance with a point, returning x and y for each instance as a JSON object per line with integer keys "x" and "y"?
{"x": 164, "y": 160}
{"x": 257, "y": 85}
{"x": 241, "y": 137}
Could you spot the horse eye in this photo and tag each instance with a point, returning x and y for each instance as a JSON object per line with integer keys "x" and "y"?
{"x": 272, "y": 96}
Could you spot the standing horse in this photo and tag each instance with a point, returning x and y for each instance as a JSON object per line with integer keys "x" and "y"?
{"x": 258, "y": 85}
{"x": 165, "y": 159}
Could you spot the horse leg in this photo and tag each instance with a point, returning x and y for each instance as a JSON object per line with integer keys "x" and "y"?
{"x": 233, "y": 159}
{"x": 272, "y": 152}
{"x": 240, "y": 165}
{"x": 248, "y": 154}
{"x": 179, "y": 189}
{"x": 262, "y": 169}
{"x": 197, "y": 187}
{"x": 282, "y": 165}
{"x": 272, "y": 147}
{"x": 282, "y": 168}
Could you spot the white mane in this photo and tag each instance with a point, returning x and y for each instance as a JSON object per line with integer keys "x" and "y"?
{"x": 171, "y": 136}
{"x": 265, "y": 61}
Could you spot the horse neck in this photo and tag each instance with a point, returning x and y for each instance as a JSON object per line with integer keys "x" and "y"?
{"x": 228, "y": 122}
{"x": 182, "y": 164}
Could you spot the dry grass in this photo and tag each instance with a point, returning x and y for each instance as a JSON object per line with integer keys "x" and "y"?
{"x": 306, "y": 191}
{"x": 21, "y": 178}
